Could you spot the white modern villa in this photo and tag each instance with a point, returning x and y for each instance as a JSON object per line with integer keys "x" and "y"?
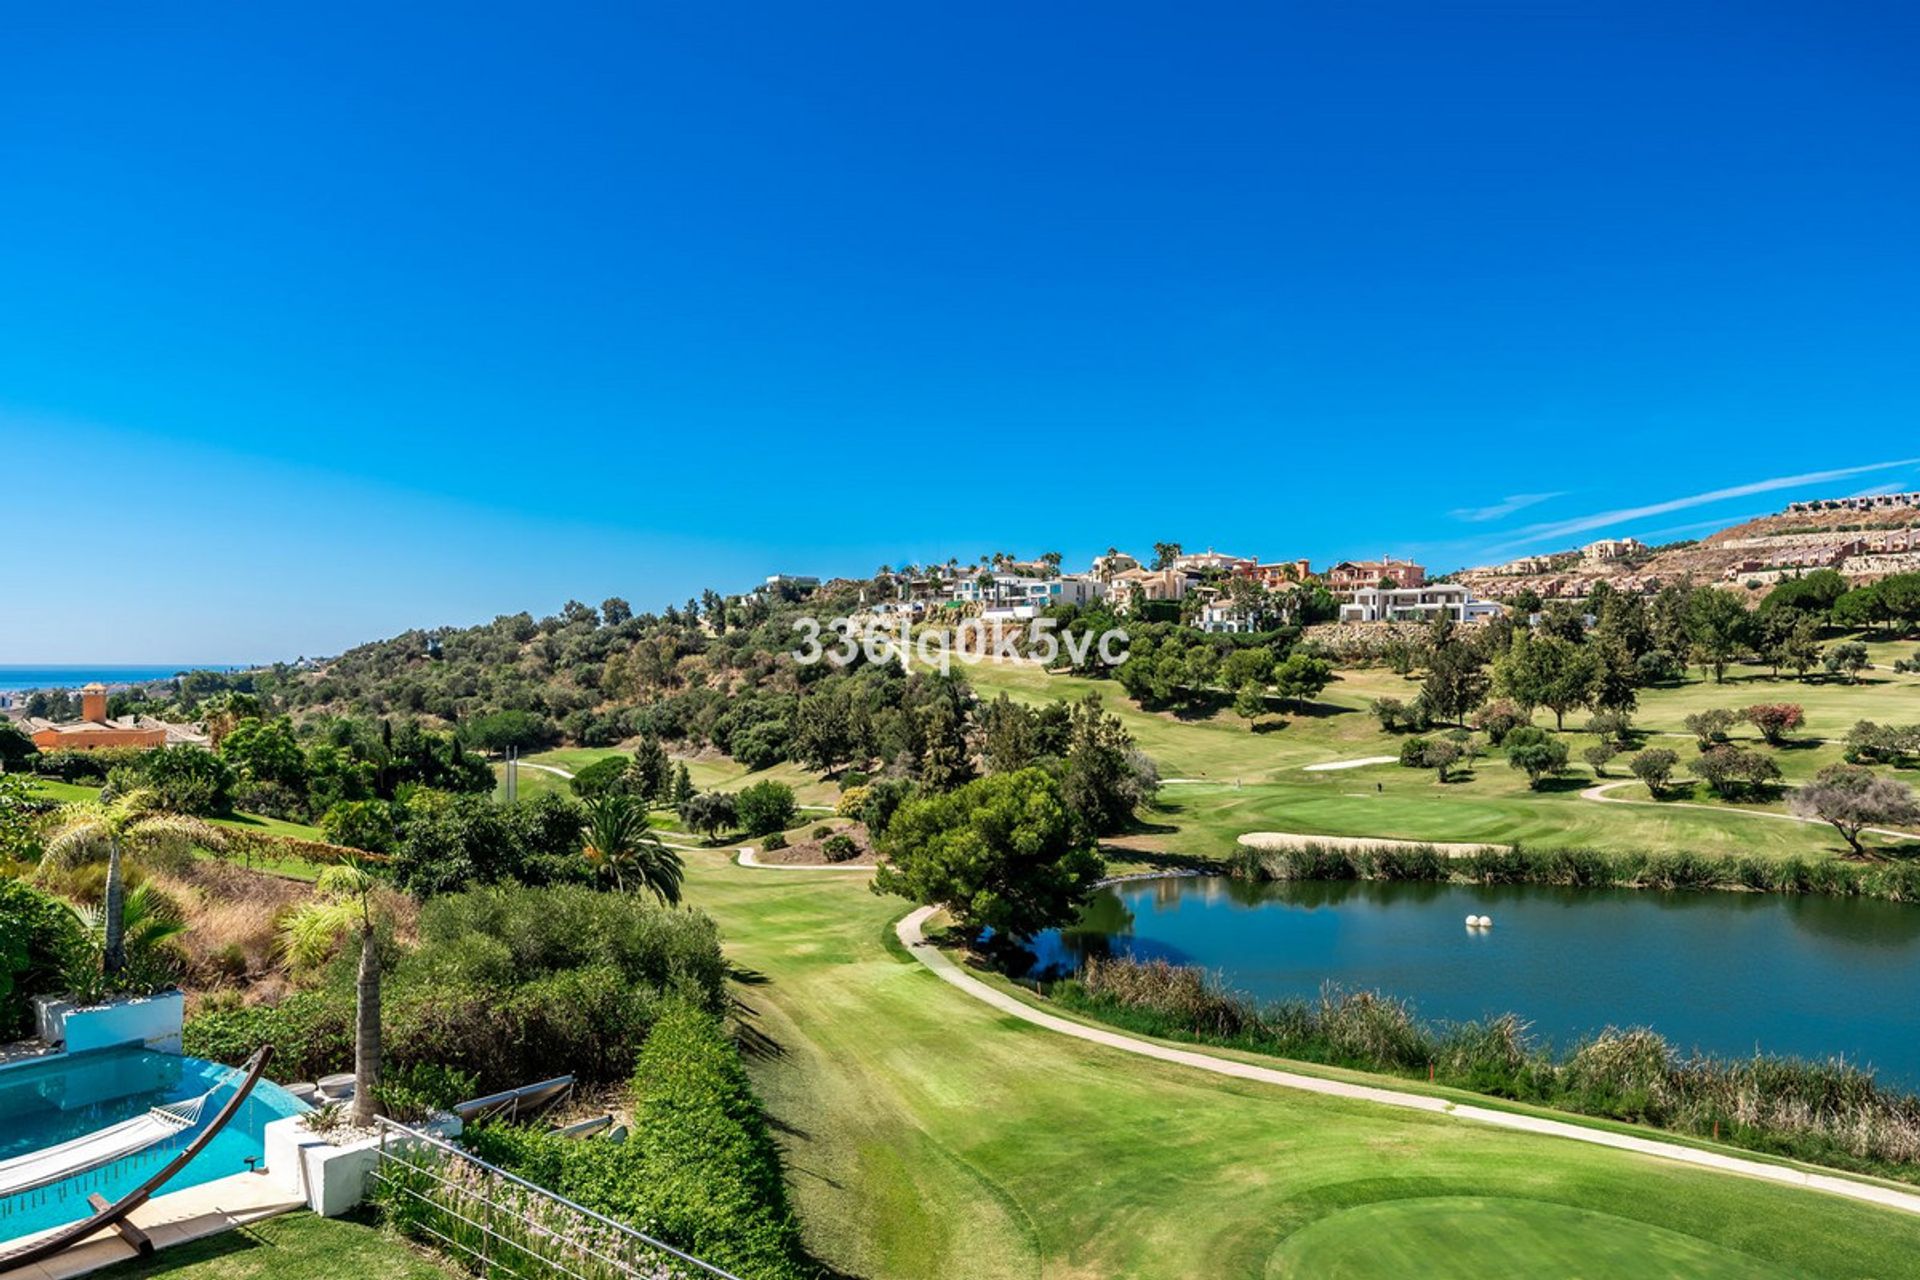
{"x": 1417, "y": 604}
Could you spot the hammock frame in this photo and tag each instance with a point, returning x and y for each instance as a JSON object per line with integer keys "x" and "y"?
{"x": 114, "y": 1214}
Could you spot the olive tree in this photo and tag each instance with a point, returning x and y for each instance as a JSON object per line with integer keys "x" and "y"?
{"x": 1850, "y": 798}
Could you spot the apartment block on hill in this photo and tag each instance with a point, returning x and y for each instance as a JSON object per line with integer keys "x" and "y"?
{"x": 1280, "y": 573}
{"x": 1130, "y": 587}
{"x": 1211, "y": 561}
{"x": 1350, "y": 576}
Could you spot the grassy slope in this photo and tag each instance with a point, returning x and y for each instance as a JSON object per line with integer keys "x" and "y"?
{"x": 708, "y": 775}
{"x": 299, "y": 868}
{"x": 1256, "y": 781}
{"x": 928, "y": 1136}
{"x": 298, "y": 1246}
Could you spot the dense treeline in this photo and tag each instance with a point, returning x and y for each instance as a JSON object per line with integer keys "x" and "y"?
{"x": 1582, "y": 869}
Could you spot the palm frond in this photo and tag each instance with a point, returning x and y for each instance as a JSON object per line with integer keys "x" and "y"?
{"x": 311, "y": 933}
{"x": 348, "y": 879}
{"x": 78, "y": 837}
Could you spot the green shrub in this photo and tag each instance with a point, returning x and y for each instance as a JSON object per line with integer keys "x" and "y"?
{"x": 37, "y": 932}
{"x": 311, "y": 1033}
{"x": 712, "y": 1170}
{"x": 765, "y": 807}
{"x": 509, "y": 984}
{"x": 412, "y": 1093}
{"x": 516, "y": 984}
{"x": 360, "y": 824}
{"x": 778, "y": 840}
{"x": 505, "y": 935}
{"x": 600, "y": 777}
{"x": 700, "y": 1169}
{"x": 839, "y": 848}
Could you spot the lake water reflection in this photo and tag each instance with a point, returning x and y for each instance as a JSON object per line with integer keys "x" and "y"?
{"x": 1726, "y": 972}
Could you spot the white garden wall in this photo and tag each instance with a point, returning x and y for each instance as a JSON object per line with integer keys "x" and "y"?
{"x": 153, "y": 1021}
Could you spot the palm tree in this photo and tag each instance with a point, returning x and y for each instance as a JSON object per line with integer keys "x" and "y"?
{"x": 149, "y": 923}
{"x": 115, "y": 825}
{"x": 346, "y": 903}
{"x": 619, "y": 840}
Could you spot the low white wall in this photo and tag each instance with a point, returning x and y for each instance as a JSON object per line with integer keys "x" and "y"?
{"x": 153, "y": 1021}
{"x": 332, "y": 1179}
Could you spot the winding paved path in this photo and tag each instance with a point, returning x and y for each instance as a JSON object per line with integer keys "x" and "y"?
{"x": 1599, "y": 792}
{"x": 749, "y": 858}
{"x": 910, "y": 931}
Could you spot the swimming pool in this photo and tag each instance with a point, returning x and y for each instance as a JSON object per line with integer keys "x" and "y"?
{"x": 55, "y": 1099}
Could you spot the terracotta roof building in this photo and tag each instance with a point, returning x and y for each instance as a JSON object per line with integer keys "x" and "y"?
{"x": 95, "y": 728}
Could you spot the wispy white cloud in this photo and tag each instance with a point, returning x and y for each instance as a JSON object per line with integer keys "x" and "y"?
{"x": 1533, "y": 535}
{"x": 1701, "y": 526}
{"x": 1505, "y": 507}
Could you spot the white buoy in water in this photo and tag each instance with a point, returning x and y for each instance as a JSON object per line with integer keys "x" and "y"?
{"x": 1486, "y": 922}
{"x": 1479, "y": 922}
{"x": 1473, "y": 922}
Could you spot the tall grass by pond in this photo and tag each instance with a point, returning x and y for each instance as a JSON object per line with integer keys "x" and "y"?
{"x": 1584, "y": 869}
{"x": 1827, "y": 1112}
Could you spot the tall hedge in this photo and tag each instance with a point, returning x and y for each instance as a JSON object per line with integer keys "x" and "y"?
{"x": 700, "y": 1170}
{"x": 711, "y": 1164}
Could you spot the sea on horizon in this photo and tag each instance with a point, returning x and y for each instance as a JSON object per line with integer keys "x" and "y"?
{"x": 18, "y": 677}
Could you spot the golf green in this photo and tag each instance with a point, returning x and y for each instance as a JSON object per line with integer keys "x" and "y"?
{"x": 1473, "y": 1237}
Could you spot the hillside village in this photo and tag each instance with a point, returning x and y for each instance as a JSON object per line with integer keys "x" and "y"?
{"x": 1862, "y": 538}
{"x": 1212, "y": 591}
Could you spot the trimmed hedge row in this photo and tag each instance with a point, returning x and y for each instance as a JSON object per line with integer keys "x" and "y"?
{"x": 700, "y": 1170}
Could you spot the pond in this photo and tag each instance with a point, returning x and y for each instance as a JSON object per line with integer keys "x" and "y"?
{"x": 1724, "y": 972}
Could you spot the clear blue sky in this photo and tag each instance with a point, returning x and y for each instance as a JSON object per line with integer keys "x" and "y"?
{"x": 320, "y": 322}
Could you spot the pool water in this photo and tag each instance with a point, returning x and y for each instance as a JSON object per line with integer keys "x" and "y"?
{"x": 56, "y": 1099}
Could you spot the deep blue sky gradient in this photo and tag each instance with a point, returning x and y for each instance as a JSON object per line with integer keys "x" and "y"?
{"x": 318, "y": 323}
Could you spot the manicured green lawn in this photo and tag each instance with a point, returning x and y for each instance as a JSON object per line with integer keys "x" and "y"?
{"x": 1256, "y": 781}
{"x": 295, "y": 1246}
{"x": 929, "y": 1136}
{"x": 65, "y": 792}
{"x": 708, "y": 775}
{"x": 1446, "y": 1238}
{"x": 271, "y": 826}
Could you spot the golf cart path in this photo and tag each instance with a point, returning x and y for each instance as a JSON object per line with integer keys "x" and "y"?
{"x": 910, "y": 932}
{"x": 749, "y": 858}
{"x": 1599, "y": 792}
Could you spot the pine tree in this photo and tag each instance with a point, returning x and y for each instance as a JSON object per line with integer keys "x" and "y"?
{"x": 945, "y": 760}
